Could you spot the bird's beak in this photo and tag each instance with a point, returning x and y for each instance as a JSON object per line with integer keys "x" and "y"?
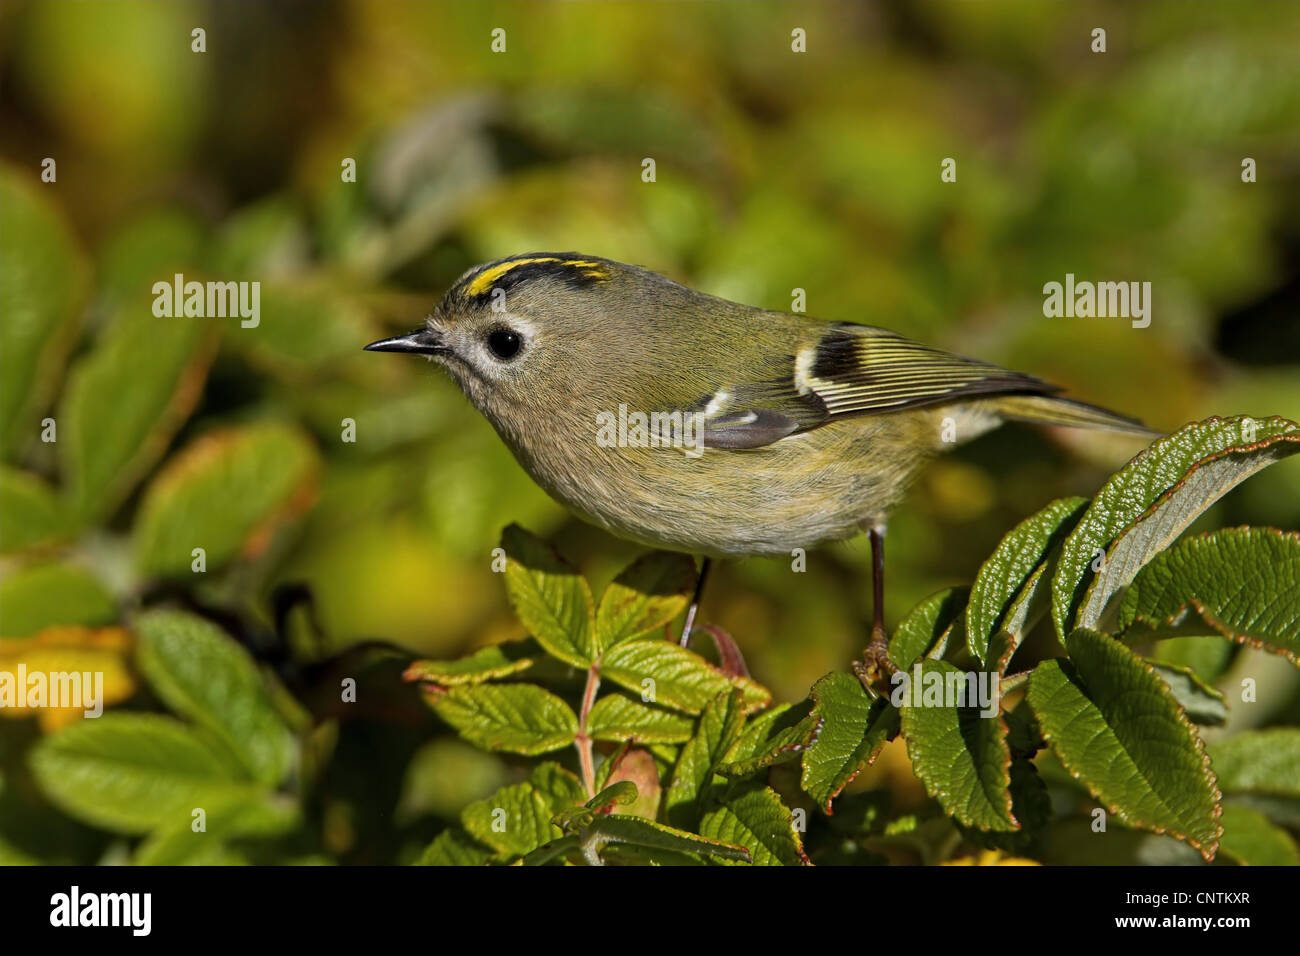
{"x": 422, "y": 340}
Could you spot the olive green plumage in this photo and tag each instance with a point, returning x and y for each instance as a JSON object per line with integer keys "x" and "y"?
{"x": 812, "y": 429}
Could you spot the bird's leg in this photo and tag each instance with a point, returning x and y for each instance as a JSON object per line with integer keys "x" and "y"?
{"x": 695, "y": 602}
{"x": 875, "y": 667}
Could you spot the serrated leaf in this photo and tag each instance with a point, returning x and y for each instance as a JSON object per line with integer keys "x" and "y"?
{"x": 775, "y": 737}
{"x": 958, "y": 753}
{"x": 552, "y": 600}
{"x": 30, "y": 511}
{"x": 924, "y": 627}
{"x": 559, "y": 786}
{"x": 42, "y": 286}
{"x": 620, "y": 717}
{"x": 513, "y": 822}
{"x": 454, "y": 847}
{"x": 53, "y": 594}
{"x": 1142, "y": 508}
{"x": 1115, "y": 726}
{"x": 202, "y": 674}
{"x": 853, "y": 730}
{"x": 648, "y": 594}
{"x": 132, "y": 773}
{"x": 1030, "y": 806}
{"x": 225, "y": 492}
{"x": 1243, "y": 582}
{"x": 628, "y": 854}
{"x": 1259, "y": 761}
{"x": 1018, "y": 557}
{"x": 1205, "y": 705}
{"x": 718, "y": 728}
{"x": 118, "y": 413}
{"x": 679, "y": 678}
{"x": 752, "y": 815}
{"x": 487, "y": 663}
{"x": 620, "y": 828}
{"x": 517, "y": 718}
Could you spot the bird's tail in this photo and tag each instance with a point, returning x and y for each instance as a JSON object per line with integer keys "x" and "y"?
{"x": 1047, "y": 410}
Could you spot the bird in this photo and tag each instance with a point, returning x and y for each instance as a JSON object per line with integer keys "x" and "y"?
{"x": 683, "y": 421}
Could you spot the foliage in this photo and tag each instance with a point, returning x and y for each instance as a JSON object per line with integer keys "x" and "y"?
{"x": 250, "y": 680}
{"x": 708, "y": 743}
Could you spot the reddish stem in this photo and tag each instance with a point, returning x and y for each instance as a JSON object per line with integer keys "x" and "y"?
{"x": 581, "y": 740}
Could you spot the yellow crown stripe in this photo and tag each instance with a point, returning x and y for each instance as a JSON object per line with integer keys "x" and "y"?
{"x": 484, "y": 280}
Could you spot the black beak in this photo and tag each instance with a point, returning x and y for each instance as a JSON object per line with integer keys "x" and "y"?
{"x": 424, "y": 341}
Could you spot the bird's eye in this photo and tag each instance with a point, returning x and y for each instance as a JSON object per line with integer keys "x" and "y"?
{"x": 504, "y": 343}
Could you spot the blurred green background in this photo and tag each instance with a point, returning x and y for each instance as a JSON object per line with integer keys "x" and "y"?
{"x": 775, "y": 171}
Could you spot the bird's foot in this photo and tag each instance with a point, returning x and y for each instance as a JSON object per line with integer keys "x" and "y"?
{"x": 875, "y": 668}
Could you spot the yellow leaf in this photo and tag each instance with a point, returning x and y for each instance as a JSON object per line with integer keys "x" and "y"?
{"x": 28, "y": 669}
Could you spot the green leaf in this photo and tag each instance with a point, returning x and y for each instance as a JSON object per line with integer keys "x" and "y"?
{"x": 203, "y": 674}
{"x": 620, "y": 828}
{"x": 552, "y": 600}
{"x": 119, "y": 413}
{"x": 1142, "y": 508}
{"x": 514, "y": 821}
{"x": 30, "y": 512}
{"x": 487, "y": 663}
{"x": 620, "y": 794}
{"x": 518, "y": 718}
{"x": 1115, "y": 726}
{"x": 454, "y": 847}
{"x": 752, "y": 815}
{"x": 46, "y": 595}
{"x": 177, "y": 843}
{"x": 225, "y": 492}
{"x": 854, "y": 728}
{"x": 648, "y": 594}
{"x": 43, "y": 281}
{"x": 1205, "y": 705}
{"x": 673, "y": 676}
{"x": 776, "y": 736}
{"x": 719, "y": 726}
{"x": 1259, "y": 761}
{"x": 925, "y": 626}
{"x": 960, "y": 755}
{"x": 560, "y": 787}
{"x": 132, "y": 773}
{"x": 1031, "y": 806}
{"x": 1018, "y": 559}
{"x": 1251, "y": 840}
{"x": 1208, "y": 656}
{"x": 620, "y": 717}
{"x": 1243, "y": 582}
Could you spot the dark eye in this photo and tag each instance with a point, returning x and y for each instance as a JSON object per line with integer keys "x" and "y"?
{"x": 504, "y": 343}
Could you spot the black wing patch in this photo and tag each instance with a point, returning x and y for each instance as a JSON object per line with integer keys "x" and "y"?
{"x": 857, "y": 370}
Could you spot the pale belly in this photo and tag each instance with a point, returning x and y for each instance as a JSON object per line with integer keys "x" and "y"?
{"x": 802, "y": 491}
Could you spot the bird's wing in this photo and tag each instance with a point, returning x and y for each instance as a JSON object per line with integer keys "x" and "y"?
{"x": 852, "y": 370}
